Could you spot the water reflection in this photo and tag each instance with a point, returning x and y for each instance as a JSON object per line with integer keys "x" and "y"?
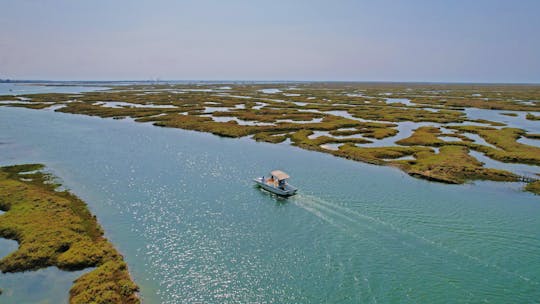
{"x": 48, "y": 285}
{"x": 193, "y": 228}
{"x": 517, "y": 121}
{"x": 519, "y": 169}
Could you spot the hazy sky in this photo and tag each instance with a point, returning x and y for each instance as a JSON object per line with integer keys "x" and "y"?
{"x": 415, "y": 40}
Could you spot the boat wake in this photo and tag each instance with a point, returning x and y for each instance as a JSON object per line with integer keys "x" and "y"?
{"x": 363, "y": 226}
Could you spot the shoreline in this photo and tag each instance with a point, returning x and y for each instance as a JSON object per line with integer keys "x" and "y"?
{"x": 55, "y": 228}
{"x": 353, "y": 124}
{"x": 156, "y": 201}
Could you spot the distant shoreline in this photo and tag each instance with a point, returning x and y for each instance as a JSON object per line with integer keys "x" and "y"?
{"x": 195, "y": 81}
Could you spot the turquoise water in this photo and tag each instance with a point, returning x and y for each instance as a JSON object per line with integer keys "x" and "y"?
{"x": 182, "y": 209}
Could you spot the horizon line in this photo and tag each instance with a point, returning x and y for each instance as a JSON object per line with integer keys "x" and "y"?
{"x": 9, "y": 80}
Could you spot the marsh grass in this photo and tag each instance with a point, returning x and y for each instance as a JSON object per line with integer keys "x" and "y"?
{"x": 344, "y": 109}
{"x": 533, "y": 187}
{"x": 55, "y": 228}
{"x": 454, "y": 165}
{"x": 505, "y": 139}
{"x": 423, "y": 136}
{"x": 531, "y": 116}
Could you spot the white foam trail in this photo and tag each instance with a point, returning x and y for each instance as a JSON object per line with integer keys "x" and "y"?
{"x": 321, "y": 206}
{"x": 318, "y": 206}
{"x": 318, "y": 214}
{"x": 342, "y": 213}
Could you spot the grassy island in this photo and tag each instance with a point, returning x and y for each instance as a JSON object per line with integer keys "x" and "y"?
{"x": 530, "y": 116}
{"x": 533, "y": 187}
{"x": 55, "y": 228}
{"x": 360, "y": 121}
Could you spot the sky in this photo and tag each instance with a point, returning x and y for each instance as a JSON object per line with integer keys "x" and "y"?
{"x": 340, "y": 40}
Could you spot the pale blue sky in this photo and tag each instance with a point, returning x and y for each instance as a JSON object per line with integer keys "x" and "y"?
{"x": 363, "y": 40}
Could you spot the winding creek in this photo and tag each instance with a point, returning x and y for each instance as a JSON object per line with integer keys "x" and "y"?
{"x": 181, "y": 207}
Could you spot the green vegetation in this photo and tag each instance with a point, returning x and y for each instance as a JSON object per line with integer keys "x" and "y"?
{"x": 510, "y": 114}
{"x": 349, "y": 114}
{"x": 423, "y": 136}
{"x": 489, "y": 122}
{"x": 270, "y": 137}
{"x": 451, "y": 165}
{"x": 532, "y": 136}
{"x": 454, "y": 165}
{"x": 301, "y": 139}
{"x": 55, "y": 228}
{"x": 530, "y": 116}
{"x": 533, "y": 187}
{"x": 506, "y": 140}
{"x": 377, "y": 155}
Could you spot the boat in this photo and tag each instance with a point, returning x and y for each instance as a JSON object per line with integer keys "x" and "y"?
{"x": 276, "y": 183}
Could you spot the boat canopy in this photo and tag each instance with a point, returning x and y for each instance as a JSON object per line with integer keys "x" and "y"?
{"x": 280, "y": 175}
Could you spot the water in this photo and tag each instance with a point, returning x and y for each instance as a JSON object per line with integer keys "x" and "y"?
{"x": 519, "y": 169}
{"x": 314, "y": 120}
{"x": 477, "y": 139}
{"x": 238, "y": 120}
{"x": 216, "y": 109}
{"x": 48, "y": 285}
{"x": 121, "y": 104}
{"x": 259, "y": 105}
{"x": 449, "y": 138}
{"x": 404, "y": 101}
{"x": 34, "y": 88}
{"x": 405, "y": 129}
{"x": 333, "y": 147}
{"x": 519, "y": 121}
{"x": 407, "y": 157}
{"x": 270, "y": 91}
{"x": 529, "y": 141}
{"x": 44, "y": 286}
{"x": 7, "y": 246}
{"x": 317, "y": 134}
{"x": 182, "y": 209}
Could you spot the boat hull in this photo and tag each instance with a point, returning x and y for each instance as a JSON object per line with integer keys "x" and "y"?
{"x": 289, "y": 190}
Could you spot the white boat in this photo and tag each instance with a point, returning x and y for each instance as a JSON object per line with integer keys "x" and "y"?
{"x": 276, "y": 183}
